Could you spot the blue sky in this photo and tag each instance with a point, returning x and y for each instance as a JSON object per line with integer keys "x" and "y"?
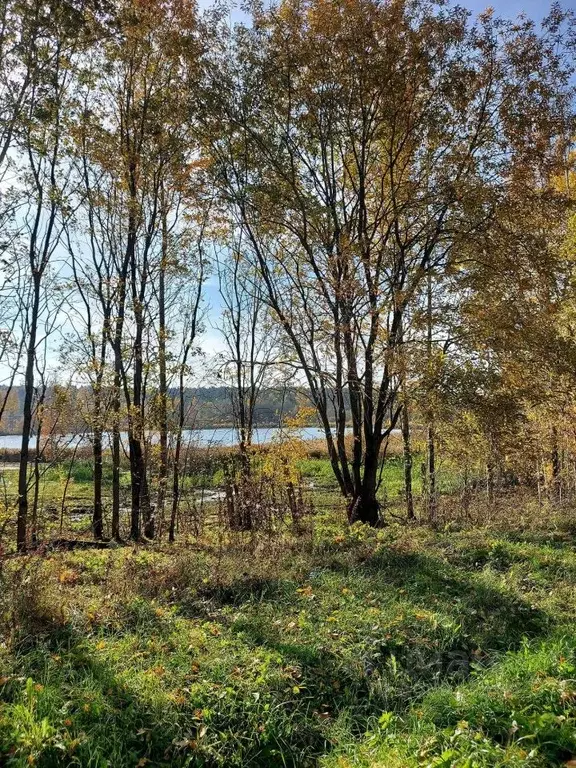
{"x": 535, "y": 9}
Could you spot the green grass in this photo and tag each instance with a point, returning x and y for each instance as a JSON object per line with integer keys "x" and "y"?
{"x": 317, "y": 474}
{"x": 449, "y": 479}
{"x": 403, "y": 647}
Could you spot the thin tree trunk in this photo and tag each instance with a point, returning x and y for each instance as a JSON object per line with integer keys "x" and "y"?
{"x": 34, "y": 521}
{"x": 116, "y": 456}
{"x": 431, "y": 456}
{"x": 135, "y": 450}
{"x": 177, "y": 452}
{"x": 97, "y": 517}
{"x": 163, "y": 386}
{"x": 407, "y": 444}
{"x": 22, "y": 522}
{"x": 490, "y": 481}
{"x": 187, "y": 346}
{"x": 67, "y": 485}
{"x": 175, "y": 487}
{"x": 97, "y": 451}
{"x": 116, "y": 343}
{"x": 556, "y": 464}
{"x": 431, "y": 437}
{"x": 140, "y": 494}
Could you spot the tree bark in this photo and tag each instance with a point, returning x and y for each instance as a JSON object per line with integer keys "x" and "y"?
{"x": 163, "y": 386}
{"x": 34, "y": 520}
{"x": 175, "y": 488}
{"x": 364, "y": 506}
{"x": 431, "y": 437}
{"x": 177, "y": 452}
{"x": 116, "y": 451}
{"x": 22, "y": 521}
{"x": 97, "y": 517}
{"x": 556, "y": 464}
{"x": 431, "y": 470}
{"x": 97, "y": 450}
{"x": 407, "y": 446}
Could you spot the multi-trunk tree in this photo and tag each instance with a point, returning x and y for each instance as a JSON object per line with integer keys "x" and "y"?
{"x": 360, "y": 145}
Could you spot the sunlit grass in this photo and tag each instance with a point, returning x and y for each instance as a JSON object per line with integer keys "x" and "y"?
{"x": 360, "y": 648}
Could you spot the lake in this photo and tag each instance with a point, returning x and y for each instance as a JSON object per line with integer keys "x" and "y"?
{"x": 224, "y": 436}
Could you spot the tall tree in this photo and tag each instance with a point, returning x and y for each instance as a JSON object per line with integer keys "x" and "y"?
{"x": 359, "y": 145}
{"x": 40, "y": 138}
{"x": 148, "y": 62}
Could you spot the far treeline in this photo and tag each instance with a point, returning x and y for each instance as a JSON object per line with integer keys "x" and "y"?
{"x": 205, "y": 408}
{"x": 380, "y": 193}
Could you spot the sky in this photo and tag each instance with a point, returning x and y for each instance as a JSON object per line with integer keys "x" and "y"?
{"x": 535, "y": 9}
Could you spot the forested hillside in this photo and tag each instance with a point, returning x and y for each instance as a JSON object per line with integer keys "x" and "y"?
{"x": 204, "y": 406}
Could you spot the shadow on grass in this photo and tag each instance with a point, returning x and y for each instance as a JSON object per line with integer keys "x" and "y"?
{"x": 493, "y": 618}
{"x": 391, "y": 668}
{"x": 100, "y": 721}
{"x": 108, "y": 724}
{"x": 322, "y": 679}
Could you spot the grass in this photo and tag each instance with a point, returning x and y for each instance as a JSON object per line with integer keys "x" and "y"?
{"x": 351, "y": 647}
{"x": 66, "y": 493}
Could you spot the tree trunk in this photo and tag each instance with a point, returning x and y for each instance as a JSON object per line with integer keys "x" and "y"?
{"x": 175, "y": 487}
{"x": 116, "y": 449}
{"x": 364, "y": 507}
{"x": 490, "y": 481}
{"x": 22, "y": 522}
{"x": 163, "y": 386}
{"x": 97, "y": 520}
{"x": 407, "y": 462}
{"x": 177, "y": 452}
{"x": 97, "y": 420}
{"x": 140, "y": 493}
{"x": 39, "y": 425}
{"x": 431, "y": 471}
{"x": 556, "y": 464}
{"x": 490, "y": 470}
{"x": 431, "y": 440}
{"x": 34, "y": 521}
{"x": 148, "y": 512}
{"x": 135, "y": 485}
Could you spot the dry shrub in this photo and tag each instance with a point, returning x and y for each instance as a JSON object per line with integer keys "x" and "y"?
{"x": 263, "y": 491}
{"x": 257, "y": 503}
{"x": 156, "y": 574}
{"x": 317, "y": 449}
{"x": 29, "y": 605}
{"x": 515, "y": 509}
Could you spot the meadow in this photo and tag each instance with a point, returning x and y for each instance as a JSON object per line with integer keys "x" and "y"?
{"x": 337, "y": 647}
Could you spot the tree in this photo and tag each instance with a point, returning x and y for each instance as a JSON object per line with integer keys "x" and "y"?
{"x": 250, "y": 337}
{"x": 142, "y": 138}
{"x": 190, "y": 313}
{"x": 359, "y": 146}
{"x": 178, "y": 286}
{"x": 40, "y": 140}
